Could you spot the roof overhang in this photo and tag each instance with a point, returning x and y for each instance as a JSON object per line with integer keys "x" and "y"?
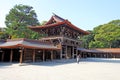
{"x": 25, "y": 43}
{"x": 66, "y": 22}
{"x": 100, "y": 50}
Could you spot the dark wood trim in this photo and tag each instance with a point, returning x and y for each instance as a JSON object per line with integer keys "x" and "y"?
{"x": 21, "y": 55}
{"x": 73, "y": 52}
{"x": 2, "y": 59}
{"x": 43, "y": 55}
{"x": 52, "y": 55}
{"x": 33, "y": 55}
{"x": 11, "y": 55}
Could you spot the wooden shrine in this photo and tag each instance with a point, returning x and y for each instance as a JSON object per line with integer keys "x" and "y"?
{"x": 61, "y": 40}
{"x": 63, "y": 33}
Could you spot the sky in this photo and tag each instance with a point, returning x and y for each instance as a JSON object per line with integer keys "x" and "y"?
{"x": 85, "y": 14}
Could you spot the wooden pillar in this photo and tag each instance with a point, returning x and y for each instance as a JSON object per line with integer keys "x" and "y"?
{"x": 34, "y": 55}
{"x": 43, "y": 55}
{"x": 66, "y": 56}
{"x": 2, "y": 59}
{"x": 110, "y": 55}
{"x": 51, "y": 55}
{"x": 76, "y": 51}
{"x": 82, "y": 54}
{"x": 61, "y": 54}
{"x": 101, "y": 54}
{"x": 107, "y": 55}
{"x": 11, "y": 55}
{"x": 73, "y": 52}
{"x": 61, "y": 51}
{"x": 21, "y": 55}
{"x": 94, "y": 55}
{"x": 114, "y": 56}
{"x": 90, "y": 55}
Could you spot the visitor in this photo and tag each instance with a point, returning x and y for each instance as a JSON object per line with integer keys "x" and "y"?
{"x": 78, "y": 58}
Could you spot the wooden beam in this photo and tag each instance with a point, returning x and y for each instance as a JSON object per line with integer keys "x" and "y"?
{"x": 66, "y": 56}
{"x": 21, "y": 55}
{"x": 101, "y": 55}
{"x": 73, "y": 52}
{"x": 107, "y": 55}
{"x": 2, "y": 59}
{"x": 89, "y": 54}
{"x": 33, "y": 55}
{"x": 95, "y": 55}
{"x": 76, "y": 51}
{"x": 11, "y": 55}
{"x": 61, "y": 54}
{"x": 43, "y": 55}
{"x": 52, "y": 55}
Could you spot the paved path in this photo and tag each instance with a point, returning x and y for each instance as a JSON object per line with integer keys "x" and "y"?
{"x": 87, "y": 69}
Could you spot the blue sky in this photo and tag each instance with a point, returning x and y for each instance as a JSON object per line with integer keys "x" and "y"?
{"x": 85, "y": 14}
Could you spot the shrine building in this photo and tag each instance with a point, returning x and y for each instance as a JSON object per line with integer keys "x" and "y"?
{"x": 61, "y": 40}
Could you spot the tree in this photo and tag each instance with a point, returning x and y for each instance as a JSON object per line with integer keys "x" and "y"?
{"x": 43, "y": 22}
{"x": 106, "y": 35}
{"x": 97, "y": 44}
{"x": 87, "y": 39}
{"x": 3, "y": 35}
{"x": 1, "y": 31}
{"x": 116, "y": 44}
{"x": 19, "y": 17}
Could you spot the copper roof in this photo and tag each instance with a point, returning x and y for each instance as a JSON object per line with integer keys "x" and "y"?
{"x": 27, "y": 43}
{"x": 58, "y": 21}
{"x": 56, "y": 18}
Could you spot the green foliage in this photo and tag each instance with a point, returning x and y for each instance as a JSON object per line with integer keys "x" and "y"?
{"x": 18, "y": 19}
{"x": 97, "y": 44}
{"x": 88, "y": 38}
{"x": 116, "y": 43}
{"x": 106, "y": 35}
{"x": 3, "y": 35}
{"x": 43, "y": 22}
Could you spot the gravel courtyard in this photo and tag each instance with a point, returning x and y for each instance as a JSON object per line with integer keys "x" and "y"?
{"x": 87, "y": 69}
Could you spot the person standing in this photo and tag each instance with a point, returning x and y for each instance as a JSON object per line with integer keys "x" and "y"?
{"x": 78, "y": 58}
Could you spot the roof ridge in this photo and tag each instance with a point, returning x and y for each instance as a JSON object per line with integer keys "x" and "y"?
{"x": 54, "y": 15}
{"x": 55, "y": 19}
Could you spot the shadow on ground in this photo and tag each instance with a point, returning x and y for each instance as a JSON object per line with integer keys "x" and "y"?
{"x": 46, "y": 63}
{"x": 62, "y": 62}
{"x": 6, "y": 64}
{"x": 54, "y": 62}
{"x": 103, "y": 60}
{"x": 70, "y": 61}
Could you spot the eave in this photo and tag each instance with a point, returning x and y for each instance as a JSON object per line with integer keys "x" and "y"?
{"x": 66, "y": 22}
{"x": 101, "y": 50}
{"x": 25, "y": 43}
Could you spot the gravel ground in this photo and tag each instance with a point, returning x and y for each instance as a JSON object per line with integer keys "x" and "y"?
{"x": 87, "y": 69}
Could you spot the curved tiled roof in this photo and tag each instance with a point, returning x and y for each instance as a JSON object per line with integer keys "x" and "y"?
{"x": 26, "y": 43}
{"x": 56, "y": 18}
{"x": 58, "y": 21}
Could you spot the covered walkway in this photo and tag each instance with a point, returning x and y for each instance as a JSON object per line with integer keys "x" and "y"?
{"x": 100, "y": 52}
{"x": 25, "y": 50}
